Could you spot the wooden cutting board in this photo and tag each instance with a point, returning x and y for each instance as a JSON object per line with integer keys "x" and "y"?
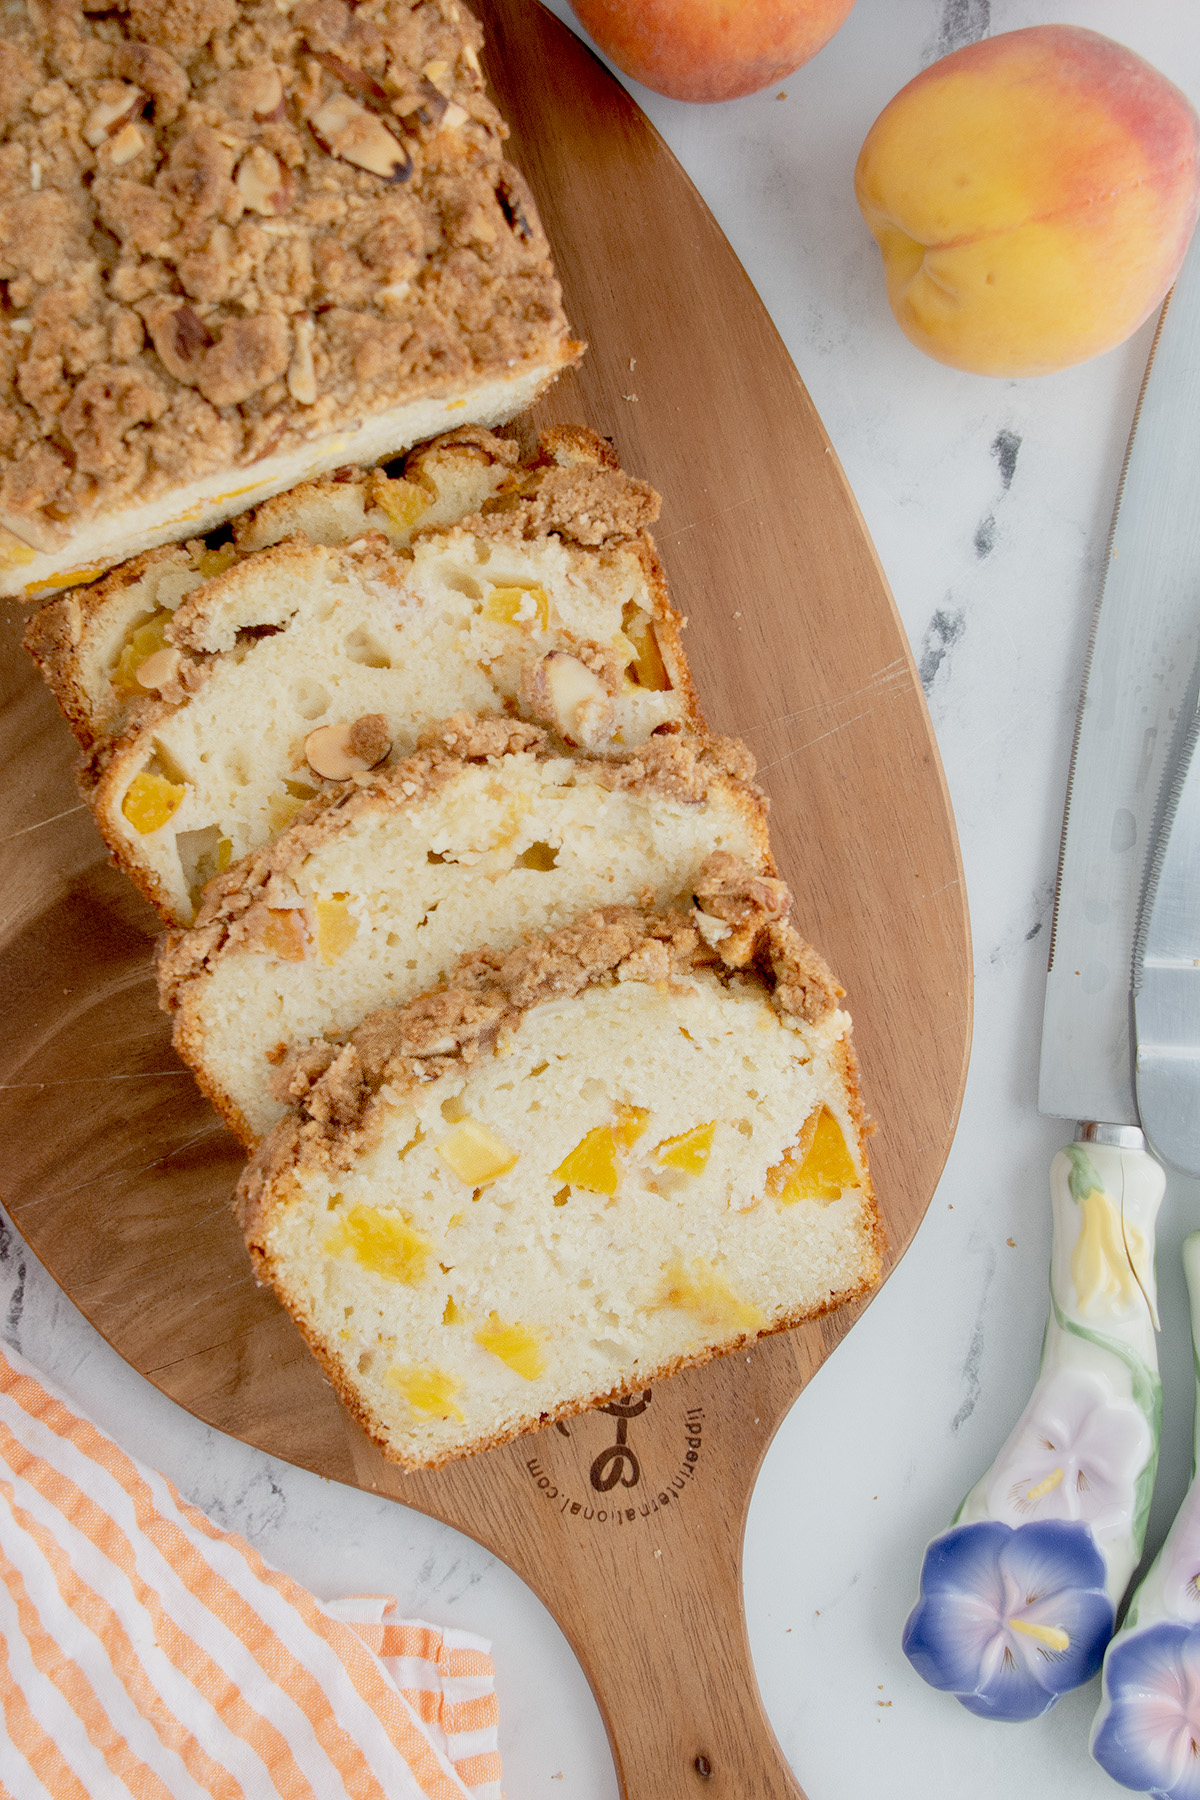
{"x": 628, "y": 1521}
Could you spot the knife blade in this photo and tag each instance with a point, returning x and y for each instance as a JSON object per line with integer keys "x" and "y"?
{"x": 1166, "y": 971}
{"x": 1145, "y": 636}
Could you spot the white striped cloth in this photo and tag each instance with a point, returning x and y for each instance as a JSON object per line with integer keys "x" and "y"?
{"x": 148, "y": 1655}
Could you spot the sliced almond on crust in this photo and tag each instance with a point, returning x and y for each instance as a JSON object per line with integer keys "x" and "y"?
{"x": 268, "y": 90}
{"x": 336, "y": 752}
{"x": 348, "y": 130}
{"x": 159, "y": 668}
{"x": 120, "y": 149}
{"x": 262, "y": 185}
{"x": 565, "y": 693}
{"x": 302, "y": 374}
{"x": 120, "y": 102}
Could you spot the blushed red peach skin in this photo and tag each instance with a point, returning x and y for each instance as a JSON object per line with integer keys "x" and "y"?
{"x": 710, "y": 49}
{"x": 1033, "y": 196}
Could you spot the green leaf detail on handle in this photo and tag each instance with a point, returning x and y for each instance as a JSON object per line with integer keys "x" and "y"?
{"x": 1147, "y": 1383}
{"x": 1147, "y": 1397}
{"x": 1083, "y": 1179}
{"x": 1143, "y": 1494}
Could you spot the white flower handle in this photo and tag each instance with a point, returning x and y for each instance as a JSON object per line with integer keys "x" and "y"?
{"x": 1086, "y": 1446}
{"x": 1018, "y": 1598}
{"x": 1148, "y": 1724}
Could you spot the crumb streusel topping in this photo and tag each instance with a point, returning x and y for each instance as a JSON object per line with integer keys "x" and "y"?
{"x": 228, "y": 228}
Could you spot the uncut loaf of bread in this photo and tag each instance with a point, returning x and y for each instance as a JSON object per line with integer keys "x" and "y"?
{"x": 244, "y": 242}
{"x": 488, "y": 834}
{"x": 568, "y": 1172}
{"x": 308, "y": 662}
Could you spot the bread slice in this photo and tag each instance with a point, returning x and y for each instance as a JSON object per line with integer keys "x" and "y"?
{"x": 307, "y": 662}
{"x": 245, "y": 242}
{"x": 569, "y": 1172}
{"x": 487, "y": 835}
{"x": 90, "y": 643}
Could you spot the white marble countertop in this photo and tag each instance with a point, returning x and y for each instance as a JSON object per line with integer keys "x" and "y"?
{"x": 989, "y": 502}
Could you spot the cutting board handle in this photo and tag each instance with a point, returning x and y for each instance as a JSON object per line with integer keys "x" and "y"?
{"x": 675, "y": 1683}
{"x": 634, "y": 1515}
{"x": 628, "y": 1522}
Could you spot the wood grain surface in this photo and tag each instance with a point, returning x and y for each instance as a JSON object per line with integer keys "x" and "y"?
{"x": 628, "y": 1522}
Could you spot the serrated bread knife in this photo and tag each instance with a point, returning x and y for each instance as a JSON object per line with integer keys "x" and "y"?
{"x": 1139, "y": 670}
{"x": 1166, "y": 963}
{"x": 1019, "y": 1597}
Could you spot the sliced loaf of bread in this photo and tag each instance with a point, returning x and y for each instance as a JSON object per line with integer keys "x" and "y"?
{"x": 486, "y": 835}
{"x": 309, "y": 662}
{"x": 566, "y": 1173}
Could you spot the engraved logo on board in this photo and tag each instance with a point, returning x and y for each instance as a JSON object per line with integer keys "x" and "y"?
{"x": 620, "y": 1462}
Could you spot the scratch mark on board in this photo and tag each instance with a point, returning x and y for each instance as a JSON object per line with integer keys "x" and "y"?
{"x": 12, "y": 1087}
{"x": 892, "y": 675}
{"x": 125, "y": 1174}
{"x": 710, "y": 517}
{"x": 798, "y": 749}
{"x": 52, "y": 820}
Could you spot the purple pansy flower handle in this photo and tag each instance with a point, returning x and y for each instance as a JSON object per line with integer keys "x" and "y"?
{"x": 1010, "y": 1617}
{"x": 1147, "y": 1731}
{"x": 1018, "y": 1599}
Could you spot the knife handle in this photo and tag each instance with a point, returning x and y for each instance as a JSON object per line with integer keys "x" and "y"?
{"x": 1061, "y": 1514}
{"x": 1134, "y": 1737}
{"x": 1106, "y": 1189}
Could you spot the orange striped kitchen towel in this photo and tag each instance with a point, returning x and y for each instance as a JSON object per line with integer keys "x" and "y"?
{"x": 148, "y": 1655}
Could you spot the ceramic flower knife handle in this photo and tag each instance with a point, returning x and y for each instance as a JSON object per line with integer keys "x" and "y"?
{"x": 1019, "y": 1597}
{"x": 1147, "y": 1731}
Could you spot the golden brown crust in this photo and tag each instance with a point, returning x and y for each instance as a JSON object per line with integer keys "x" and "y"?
{"x": 568, "y": 444}
{"x": 864, "y": 1127}
{"x": 99, "y": 778}
{"x": 305, "y": 215}
{"x": 491, "y": 446}
{"x": 230, "y": 1115}
{"x": 191, "y": 628}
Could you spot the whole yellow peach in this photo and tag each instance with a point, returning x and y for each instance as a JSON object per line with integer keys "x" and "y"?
{"x": 710, "y": 49}
{"x": 1033, "y": 196}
